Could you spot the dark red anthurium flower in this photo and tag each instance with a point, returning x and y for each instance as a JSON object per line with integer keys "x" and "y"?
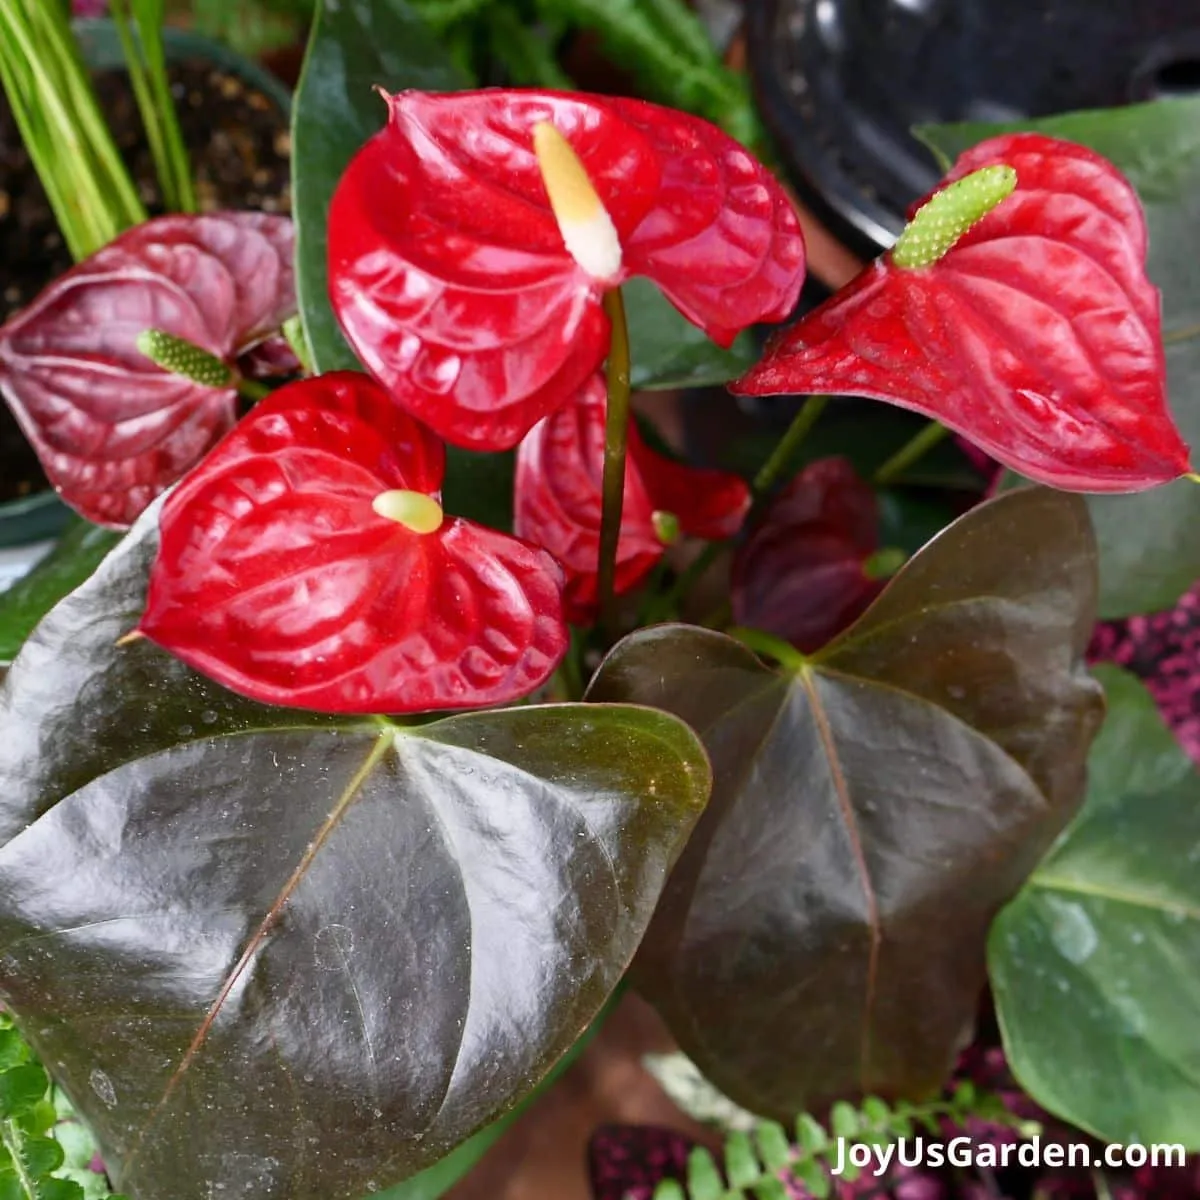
{"x": 560, "y": 468}
{"x": 111, "y": 428}
{"x": 1036, "y": 334}
{"x": 472, "y": 240}
{"x": 307, "y": 562}
{"x": 805, "y": 572}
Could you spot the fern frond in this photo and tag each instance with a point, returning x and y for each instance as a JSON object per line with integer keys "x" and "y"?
{"x": 756, "y": 1165}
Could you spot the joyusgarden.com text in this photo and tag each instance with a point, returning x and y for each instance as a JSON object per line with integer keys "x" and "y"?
{"x": 967, "y": 1152}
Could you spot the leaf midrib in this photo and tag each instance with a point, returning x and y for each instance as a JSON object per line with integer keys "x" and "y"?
{"x": 383, "y": 742}
{"x": 1049, "y": 882}
{"x": 842, "y": 791}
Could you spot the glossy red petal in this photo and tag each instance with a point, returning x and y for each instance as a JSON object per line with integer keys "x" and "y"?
{"x": 112, "y": 429}
{"x": 1038, "y": 336}
{"x": 558, "y": 504}
{"x": 708, "y": 504}
{"x": 722, "y": 239}
{"x": 277, "y": 578}
{"x": 449, "y": 275}
{"x": 560, "y": 468}
{"x": 799, "y": 575}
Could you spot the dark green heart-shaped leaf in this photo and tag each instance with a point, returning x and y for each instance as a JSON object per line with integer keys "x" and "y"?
{"x": 1096, "y": 964}
{"x": 668, "y": 351}
{"x": 1149, "y": 551}
{"x": 353, "y": 48}
{"x": 823, "y": 934}
{"x": 303, "y": 956}
{"x": 24, "y": 604}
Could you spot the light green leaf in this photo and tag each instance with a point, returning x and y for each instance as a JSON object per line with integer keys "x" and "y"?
{"x": 1096, "y": 964}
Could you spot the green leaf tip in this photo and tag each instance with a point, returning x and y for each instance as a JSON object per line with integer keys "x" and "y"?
{"x": 948, "y": 214}
{"x": 183, "y": 358}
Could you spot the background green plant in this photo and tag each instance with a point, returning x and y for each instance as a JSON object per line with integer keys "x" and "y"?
{"x": 55, "y": 109}
{"x": 754, "y": 1164}
{"x": 44, "y": 1151}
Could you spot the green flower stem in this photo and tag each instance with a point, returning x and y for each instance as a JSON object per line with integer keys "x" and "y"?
{"x": 910, "y": 452}
{"x": 767, "y": 477}
{"x": 761, "y": 642}
{"x": 252, "y": 389}
{"x": 616, "y": 431}
{"x": 785, "y": 451}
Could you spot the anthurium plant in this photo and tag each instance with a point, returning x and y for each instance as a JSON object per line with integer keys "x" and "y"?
{"x": 338, "y": 801}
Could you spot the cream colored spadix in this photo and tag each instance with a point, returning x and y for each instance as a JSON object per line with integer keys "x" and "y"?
{"x": 413, "y": 510}
{"x": 587, "y": 229}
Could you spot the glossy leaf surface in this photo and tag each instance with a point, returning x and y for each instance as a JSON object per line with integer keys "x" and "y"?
{"x": 669, "y": 352}
{"x": 448, "y": 271}
{"x": 279, "y": 577}
{"x": 352, "y": 49}
{"x": 871, "y": 811}
{"x": 1149, "y": 552}
{"x": 1037, "y": 336}
{"x": 1095, "y": 966}
{"x": 111, "y": 428}
{"x": 307, "y": 954}
{"x": 560, "y": 469}
{"x": 800, "y": 573}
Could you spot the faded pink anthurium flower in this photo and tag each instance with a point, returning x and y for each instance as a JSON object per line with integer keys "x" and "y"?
{"x": 113, "y": 429}
{"x": 471, "y": 243}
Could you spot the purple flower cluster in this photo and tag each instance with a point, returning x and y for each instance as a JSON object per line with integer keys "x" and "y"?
{"x": 1163, "y": 650}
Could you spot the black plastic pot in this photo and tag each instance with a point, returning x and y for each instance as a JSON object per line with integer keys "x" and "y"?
{"x": 32, "y": 519}
{"x": 842, "y": 82}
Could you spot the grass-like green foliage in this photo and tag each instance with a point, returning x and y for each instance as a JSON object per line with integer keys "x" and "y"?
{"x": 756, "y": 1162}
{"x": 55, "y": 108}
{"x": 251, "y": 27}
{"x": 44, "y": 1152}
{"x": 663, "y": 43}
{"x": 139, "y": 25}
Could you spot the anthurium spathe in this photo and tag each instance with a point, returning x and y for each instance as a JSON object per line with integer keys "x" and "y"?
{"x": 806, "y": 570}
{"x": 113, "y": 429}
{"x": 307, "y": 562}
{"x": 558, "y": 502}
{"x": 472, "y": 240}
{"x": 1016, "y": 310}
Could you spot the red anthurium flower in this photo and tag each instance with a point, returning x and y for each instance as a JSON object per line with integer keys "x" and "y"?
{"x": 560, "y": 468}
{"x": 472, "y": 240}
{"x": 307, "y": 562}
{"x": 805, "y": 572}
{"x": 111, "y": 428}
{"x": 1037, "y": 334}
